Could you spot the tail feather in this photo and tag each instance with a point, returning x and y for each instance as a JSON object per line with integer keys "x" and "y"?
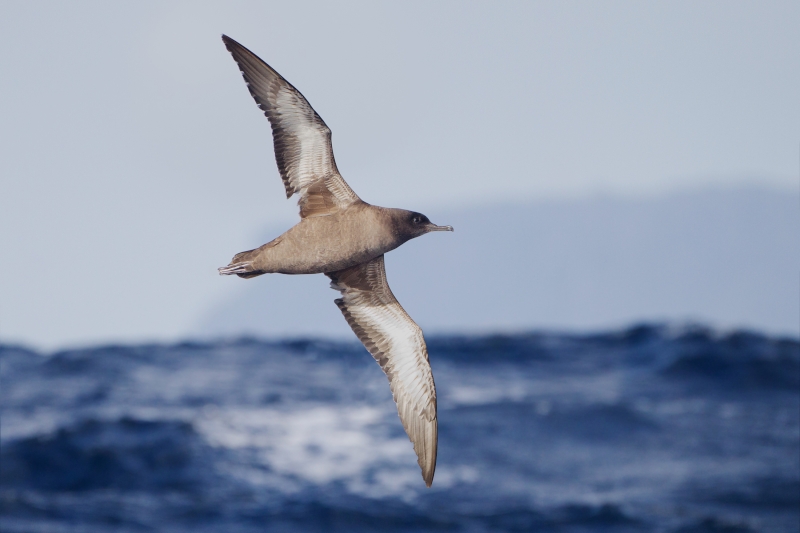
{"x": 241, "y": 265}
{"x": 236, "y": 268}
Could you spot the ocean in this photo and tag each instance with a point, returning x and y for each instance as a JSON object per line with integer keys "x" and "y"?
{"x": 655, "y": 428}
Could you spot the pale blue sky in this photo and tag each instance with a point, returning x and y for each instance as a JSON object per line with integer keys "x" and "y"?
{"x": 133, "y": 161}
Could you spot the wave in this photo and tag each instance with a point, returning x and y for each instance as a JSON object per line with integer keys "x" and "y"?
{"x": 741, "y": 360}
{"x": 643, "y": 429}
{"x": 125, "y": 454}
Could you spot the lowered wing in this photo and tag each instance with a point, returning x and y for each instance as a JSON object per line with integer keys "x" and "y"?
{"x": 396, "y": 342}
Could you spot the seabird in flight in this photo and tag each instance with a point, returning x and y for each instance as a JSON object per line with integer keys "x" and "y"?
{"x": 345, "y": 238}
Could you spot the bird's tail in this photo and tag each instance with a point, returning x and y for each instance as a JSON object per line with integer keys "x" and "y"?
{"x": 241, "y": 265}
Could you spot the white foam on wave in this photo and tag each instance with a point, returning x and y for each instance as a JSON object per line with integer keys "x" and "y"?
{"x": 319, "y": 444}
{"x": 480, "y": 389}
{"x": 18, "y": 424}
{"x": 475, "y": 395}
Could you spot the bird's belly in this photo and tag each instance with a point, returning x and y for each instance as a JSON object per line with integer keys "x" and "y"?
{"x": 322, "y": 246}
{"x": 318, "y": 261}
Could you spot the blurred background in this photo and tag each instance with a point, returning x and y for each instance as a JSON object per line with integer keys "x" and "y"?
{"x": 622, "y": 288}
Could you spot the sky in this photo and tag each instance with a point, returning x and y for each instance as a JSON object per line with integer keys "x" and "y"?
{"x": 133, "y": 162}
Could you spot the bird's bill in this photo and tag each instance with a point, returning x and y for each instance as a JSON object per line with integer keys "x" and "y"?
{"x": 434, "y": 227}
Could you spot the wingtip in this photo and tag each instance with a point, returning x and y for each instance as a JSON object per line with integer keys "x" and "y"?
{"x": 426, "y": 454}
{"x": 427, "y": 473}
{"x": 230, "y": 44}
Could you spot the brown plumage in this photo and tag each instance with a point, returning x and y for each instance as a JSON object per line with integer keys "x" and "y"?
{"x": 345, "y": 238}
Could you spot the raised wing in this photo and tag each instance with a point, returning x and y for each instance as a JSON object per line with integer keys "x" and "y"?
{"x": 396, "y": 342}
{"x": 302, "y": 140}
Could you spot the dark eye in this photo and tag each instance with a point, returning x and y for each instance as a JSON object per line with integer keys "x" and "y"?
{"x": 416, "y": 219}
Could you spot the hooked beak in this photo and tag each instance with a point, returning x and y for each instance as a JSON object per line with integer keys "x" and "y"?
{"x": 434, "y": 227}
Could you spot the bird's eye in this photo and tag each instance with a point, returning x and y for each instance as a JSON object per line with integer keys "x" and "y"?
{"x": 417, "y": 219}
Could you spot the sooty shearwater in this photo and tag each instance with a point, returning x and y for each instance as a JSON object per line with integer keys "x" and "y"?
{"x": 345, "y": 238}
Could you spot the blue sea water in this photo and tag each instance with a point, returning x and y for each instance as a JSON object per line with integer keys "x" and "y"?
{"x": 654, "y": 428}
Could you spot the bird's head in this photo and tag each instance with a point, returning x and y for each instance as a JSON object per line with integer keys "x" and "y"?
{"x": 410, "y": 224}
